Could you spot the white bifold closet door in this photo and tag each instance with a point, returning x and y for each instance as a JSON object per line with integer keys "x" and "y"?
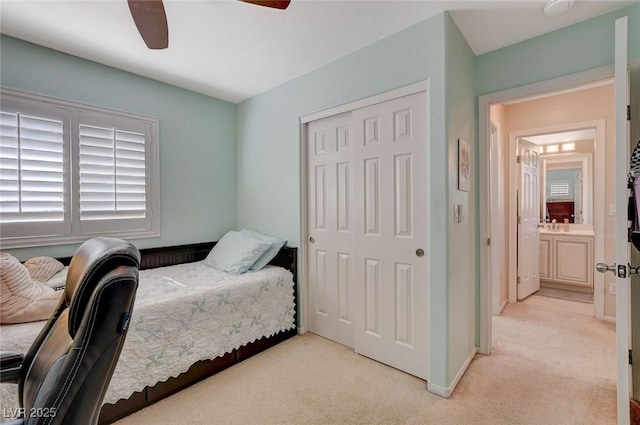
{"x": 367, "y": 224}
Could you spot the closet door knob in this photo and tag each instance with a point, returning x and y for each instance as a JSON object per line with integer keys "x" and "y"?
{"x": 311, "y": 239}
{"x": 420, "y": 252}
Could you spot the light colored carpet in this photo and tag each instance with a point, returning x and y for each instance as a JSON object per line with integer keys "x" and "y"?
{"x": 552, "y": 364}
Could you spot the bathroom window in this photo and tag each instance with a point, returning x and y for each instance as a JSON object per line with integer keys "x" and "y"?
{"x": 559, "y": 189}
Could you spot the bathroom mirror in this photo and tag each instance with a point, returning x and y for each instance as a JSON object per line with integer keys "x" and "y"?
{"x": 566, "y": 191}
{"x": 566, "y": 171}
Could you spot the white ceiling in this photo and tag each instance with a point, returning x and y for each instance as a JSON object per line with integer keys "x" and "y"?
{"x": 233, "y": 50}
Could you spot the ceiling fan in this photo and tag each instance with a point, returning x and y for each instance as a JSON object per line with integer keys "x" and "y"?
{"x": 151, "y": 19}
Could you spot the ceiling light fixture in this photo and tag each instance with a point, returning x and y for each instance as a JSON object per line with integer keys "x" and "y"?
{"x": 556, "y": 7}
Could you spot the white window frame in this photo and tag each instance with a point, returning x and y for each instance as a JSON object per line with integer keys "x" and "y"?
{"x": 15, "y": 235}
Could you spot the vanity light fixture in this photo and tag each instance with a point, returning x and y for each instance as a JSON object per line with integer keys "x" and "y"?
{"x": 552, "y": 149}
{"x": 568, "y": 147}
{"x": 556, "y": 7}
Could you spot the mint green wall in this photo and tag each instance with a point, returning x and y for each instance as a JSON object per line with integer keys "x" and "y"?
{"x": 463, "y": 252}
{"x": 580, "y": 47}
{"x": 197, "y": 137}
{"x": 269, "y": 136}
{"x": 269, "y": 130}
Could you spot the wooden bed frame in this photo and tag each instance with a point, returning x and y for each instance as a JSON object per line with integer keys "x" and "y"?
{"x": 169, "y": 256}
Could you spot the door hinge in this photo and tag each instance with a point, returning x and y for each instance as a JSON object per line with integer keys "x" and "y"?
{"x": 628, "y": 112}
{"x": 518, "y": 280}
{"x": 519, "y": 219}
{"x": 518, "y": 159}
{"x": 488, "y": 241}
{"x": 630, "y": 357}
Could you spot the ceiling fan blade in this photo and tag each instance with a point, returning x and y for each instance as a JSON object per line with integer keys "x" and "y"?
{"x": 276, "y": 4}
{"x": 151, "y": 21}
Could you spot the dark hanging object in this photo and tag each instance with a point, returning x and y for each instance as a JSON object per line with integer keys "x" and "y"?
{"x": 633, "y": 212}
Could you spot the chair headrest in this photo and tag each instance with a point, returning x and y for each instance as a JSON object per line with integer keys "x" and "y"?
{"x": 93, "y": 259}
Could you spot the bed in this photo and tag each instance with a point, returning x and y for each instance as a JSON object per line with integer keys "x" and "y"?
{"x": 189, "y": 322}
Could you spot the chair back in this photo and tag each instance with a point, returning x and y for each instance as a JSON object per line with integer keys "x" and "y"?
{"x": 68, "y": 368}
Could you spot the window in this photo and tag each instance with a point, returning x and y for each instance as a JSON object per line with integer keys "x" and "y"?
{"x": 70, "y": 171}
{"x": 559, "y": 189}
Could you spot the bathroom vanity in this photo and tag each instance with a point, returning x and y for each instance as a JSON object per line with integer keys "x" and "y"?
{"x": 566, "y": 259}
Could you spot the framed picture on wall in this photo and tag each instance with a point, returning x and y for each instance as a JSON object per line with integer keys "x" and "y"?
{"x": 464, "y": 166}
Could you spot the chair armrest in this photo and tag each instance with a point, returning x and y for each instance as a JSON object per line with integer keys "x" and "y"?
{"x": 10, "y": 365}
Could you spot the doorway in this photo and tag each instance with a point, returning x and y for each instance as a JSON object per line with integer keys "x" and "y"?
{"x": 566, "y": 250}
{"x": 566, "y": 127}
{"x": 514, "y": 127}
{"x": 493, "y": 173}
{"x": 618, "y": 232}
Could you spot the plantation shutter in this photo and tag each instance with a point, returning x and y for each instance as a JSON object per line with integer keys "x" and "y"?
{"x": 112, "y": 176}
{"x": 70, "y": 171}
{"x": 33, "y": 185}
{"x": 112, "y": 173}
{"x": 32, "y": 170}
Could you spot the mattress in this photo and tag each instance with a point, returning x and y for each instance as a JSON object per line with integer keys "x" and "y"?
{"x": 183, "y": 314}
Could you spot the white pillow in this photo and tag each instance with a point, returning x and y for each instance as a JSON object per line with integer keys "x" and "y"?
{"x": 274, "y": 246}
{"x": 43, "y": 268}
{"x": 58, "y": 280}
{"x": 23, "y": 299}
{"x": 236, "y": 252}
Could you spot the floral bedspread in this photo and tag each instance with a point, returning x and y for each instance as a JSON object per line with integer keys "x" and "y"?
{"x": 183, "y": 314}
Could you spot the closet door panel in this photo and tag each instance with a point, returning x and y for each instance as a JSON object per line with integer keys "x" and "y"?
{"x": 330, "y": 244}
{"x": 390, "y": 233}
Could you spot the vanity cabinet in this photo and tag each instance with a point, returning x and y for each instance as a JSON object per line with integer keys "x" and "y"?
{"x": 545, "y": 258}
{"x": 567, "y": 259}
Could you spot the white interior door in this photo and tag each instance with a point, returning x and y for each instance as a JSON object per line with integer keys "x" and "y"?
{"x": 330, "y": 245}
{"x": 528, "y": 219}
{"x": 496, "y": 220}
{"x": 391, "y": 291}
{"x": 622, "y": 245}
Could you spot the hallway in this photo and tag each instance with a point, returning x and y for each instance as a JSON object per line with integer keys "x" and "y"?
{"x": 558, "y": 360}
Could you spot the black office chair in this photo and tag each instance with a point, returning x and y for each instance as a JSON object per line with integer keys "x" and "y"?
{"x": 63, "y": 378}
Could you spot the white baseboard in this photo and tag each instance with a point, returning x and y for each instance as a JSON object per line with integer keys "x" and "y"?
{"x": 611, "y": 319}
{"x": 437, "y": 390}
{"x": 446, "y": 392}
{"x": 504, "y": 303}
